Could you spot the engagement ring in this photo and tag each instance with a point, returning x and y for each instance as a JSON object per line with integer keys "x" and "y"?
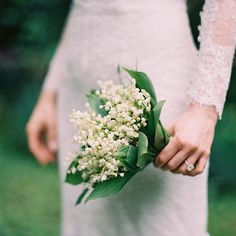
{"x": 190, "y": 167}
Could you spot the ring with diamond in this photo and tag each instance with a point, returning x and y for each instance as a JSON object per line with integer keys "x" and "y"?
{"x": 190, "y": 167}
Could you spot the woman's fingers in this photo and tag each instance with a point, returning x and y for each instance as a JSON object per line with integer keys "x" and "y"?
{"x": 52, "y": 136}
{"x": 167, "y": 153}
{"x": 37, "y": 144}
{"x": 199, "y": 167}
{"x": 198, "y": 160}
{"x": 177, "y": 160}
{"x": 182, "y": 168}
{"x": 193, "y": 133}
{"x": 176, "y": 144}
{"x": 41, "y": 129}
{"x": 174, "y": 155}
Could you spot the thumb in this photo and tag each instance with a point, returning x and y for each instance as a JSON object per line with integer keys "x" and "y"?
{"x": 52, "y": 137}
{"x": 171, "y": 129}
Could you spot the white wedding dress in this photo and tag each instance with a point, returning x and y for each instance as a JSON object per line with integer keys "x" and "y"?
{"x": 155, "y": 36}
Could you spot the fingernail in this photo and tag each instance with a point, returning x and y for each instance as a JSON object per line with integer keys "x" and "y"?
{"x": 53, "y": 145}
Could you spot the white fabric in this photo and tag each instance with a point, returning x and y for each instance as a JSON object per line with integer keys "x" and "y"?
{"x": 155, "y": 36}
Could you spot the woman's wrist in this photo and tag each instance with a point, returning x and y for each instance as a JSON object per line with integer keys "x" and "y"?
{"x": 208, "y": 111}
{"x": 49, "y": 96}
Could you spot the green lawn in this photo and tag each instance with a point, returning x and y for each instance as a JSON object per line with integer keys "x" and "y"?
{"x": 29, "y": 197}
{"x": 222, "y": 215}
{"x": 29, "y": 200}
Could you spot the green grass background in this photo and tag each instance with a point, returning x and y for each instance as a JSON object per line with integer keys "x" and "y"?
{"x": 29, "y": 196}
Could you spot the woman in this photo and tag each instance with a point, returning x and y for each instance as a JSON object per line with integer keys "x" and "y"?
{"x": 155, "y": 35}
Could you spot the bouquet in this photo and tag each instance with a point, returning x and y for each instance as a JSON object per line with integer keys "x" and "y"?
{"x": 119, "y": 134}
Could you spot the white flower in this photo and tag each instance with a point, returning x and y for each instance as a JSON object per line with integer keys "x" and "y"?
{"x": 122, "y": 174}
{"x": 103, "y": 136}
{"x": 73, "y": 170}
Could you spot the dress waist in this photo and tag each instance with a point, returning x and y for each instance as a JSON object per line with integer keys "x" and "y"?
{"x": 120, "y": 7}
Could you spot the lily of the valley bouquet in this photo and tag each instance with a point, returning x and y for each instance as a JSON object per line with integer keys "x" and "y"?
{"x": 118, "y": 135}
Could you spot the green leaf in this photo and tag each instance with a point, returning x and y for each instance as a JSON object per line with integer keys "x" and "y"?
{"x": 143, "y": 82}
{"x": 132, "y": 156}
{"x": 160, "y": 137}
{"x": 159, "y": 132}
{"x": 95, "y": 101}
{"x": 146, "y": 152}
{"x": 127, "y": 165}
{"x": 75, "y": 178}
{"x": 165, "y": 134}
{"x": 148, "y": 158}
{"x": 157, "y": 111}
{"x": 122, "y": 154}
{"x": 81, "y": 196}
{"x": 127, "y": 155}
{"x": 142, "y": 149}
{"x": 109, "y": 187}
{"x": 149, "y": 129}
{"x": 123, "y": 151}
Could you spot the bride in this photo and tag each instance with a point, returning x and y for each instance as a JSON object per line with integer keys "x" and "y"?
{"x": 154, "y": 35}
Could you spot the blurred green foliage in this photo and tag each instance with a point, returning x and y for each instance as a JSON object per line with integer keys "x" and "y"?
{"x": 29, "y": 32}
{"x": 30, "y": 198}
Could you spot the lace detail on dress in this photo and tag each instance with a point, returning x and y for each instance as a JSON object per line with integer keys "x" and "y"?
{"x": 217, "y": 44}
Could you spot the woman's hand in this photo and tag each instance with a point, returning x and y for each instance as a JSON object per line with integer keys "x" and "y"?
{"x": 41, "y": 129}
{"x": 192, "y": 137}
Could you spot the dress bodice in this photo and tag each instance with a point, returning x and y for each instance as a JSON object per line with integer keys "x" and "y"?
{"x": 134, "y": 22}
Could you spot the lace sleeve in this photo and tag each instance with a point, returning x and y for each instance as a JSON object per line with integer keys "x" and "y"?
{"x": 58, "y": 70}
{"x": 217, "y": 44}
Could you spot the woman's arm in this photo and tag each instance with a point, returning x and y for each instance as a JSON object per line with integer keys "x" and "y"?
{"x": 193, "y": 132}
{"x": 42, "y": 126}
{"x": 217, "y": 45}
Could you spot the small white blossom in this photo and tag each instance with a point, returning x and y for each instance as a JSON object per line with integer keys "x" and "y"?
{"x": 103, "y": 136}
